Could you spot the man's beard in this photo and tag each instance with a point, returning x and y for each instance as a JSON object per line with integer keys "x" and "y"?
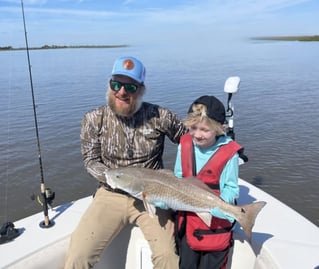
{"x": 124, "y": 112}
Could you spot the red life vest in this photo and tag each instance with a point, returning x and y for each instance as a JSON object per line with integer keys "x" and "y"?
{"x": 218, "y": 235}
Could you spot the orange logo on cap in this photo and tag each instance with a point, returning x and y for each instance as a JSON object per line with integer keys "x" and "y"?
{"x": 128, "y": 64}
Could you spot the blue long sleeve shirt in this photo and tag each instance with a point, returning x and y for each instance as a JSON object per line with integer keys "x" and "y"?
{"x": 229, "y": 189}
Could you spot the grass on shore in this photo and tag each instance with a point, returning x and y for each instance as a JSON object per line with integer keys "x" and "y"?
{"x": 289, "y": 38}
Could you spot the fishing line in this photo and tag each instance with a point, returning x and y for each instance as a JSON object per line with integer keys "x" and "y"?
{"x": 47, "y": 222}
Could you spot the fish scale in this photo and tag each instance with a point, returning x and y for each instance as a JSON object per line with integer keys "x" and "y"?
{"x": 178, "y": 198}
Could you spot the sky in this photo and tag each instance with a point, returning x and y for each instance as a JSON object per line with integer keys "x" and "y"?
{"x": 132, "y": 22}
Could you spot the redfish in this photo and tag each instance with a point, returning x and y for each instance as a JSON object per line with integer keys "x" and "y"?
{"x": 187, "y": 194}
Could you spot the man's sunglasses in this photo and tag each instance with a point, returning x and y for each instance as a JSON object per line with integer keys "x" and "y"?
{"x": 129, "y": 87}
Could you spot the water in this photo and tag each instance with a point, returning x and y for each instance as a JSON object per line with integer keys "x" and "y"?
{"x": 275, "y": 114}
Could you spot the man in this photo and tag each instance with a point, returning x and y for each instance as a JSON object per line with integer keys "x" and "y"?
{"x": 126, "y": 132}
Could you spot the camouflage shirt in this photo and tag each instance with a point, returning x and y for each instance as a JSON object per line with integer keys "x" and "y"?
{"x": 110, "y": 141}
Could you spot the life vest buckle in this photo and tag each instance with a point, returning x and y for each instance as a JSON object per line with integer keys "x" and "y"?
{"x": 198, "y": 234}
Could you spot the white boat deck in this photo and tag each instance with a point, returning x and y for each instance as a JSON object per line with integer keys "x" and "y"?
{"x": 281, "y": 239}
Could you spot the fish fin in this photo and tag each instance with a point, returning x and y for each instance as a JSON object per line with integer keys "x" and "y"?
{"x": 247, "y": 215}
{"x": 197, "y": 182}
{"x": 205, "y": 217}
{"x": 150, "y": 209}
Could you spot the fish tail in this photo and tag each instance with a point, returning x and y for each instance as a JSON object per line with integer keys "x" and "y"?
{"x": 247, "y": 215}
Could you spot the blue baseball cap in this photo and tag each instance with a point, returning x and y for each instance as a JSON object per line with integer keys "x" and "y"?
{"x": 131, "y": 67}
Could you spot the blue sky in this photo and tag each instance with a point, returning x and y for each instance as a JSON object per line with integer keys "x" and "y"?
{"x": 131, "y": 22}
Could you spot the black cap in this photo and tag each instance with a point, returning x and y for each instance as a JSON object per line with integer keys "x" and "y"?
{"x": 215, "y": 108}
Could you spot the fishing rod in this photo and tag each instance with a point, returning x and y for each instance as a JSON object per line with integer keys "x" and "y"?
{"x": 47, "y": 195}
{"x": 231, "y": 87}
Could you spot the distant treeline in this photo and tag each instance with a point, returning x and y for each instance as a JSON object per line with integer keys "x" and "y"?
{"x": 289, "y": 38}
{"x": 46, "y": 47}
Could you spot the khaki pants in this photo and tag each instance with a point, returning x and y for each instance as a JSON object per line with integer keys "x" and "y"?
{"x": 104, "y": 219}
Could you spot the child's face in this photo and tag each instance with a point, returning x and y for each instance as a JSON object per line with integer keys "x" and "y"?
{"x": 203, "y": 134}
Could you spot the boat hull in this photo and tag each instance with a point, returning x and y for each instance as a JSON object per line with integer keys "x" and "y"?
{"x": 281, "y": 239}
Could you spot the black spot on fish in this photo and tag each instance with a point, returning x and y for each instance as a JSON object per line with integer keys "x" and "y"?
{"x": 243, "y": 210}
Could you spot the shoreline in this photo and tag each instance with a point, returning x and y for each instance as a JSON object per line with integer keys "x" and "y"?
{"x": 46, "y": 47}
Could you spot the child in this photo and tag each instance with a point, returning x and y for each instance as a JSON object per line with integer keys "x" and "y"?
{"x": 207, "y": 153}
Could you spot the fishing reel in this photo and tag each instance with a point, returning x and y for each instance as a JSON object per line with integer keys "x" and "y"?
{"x": 49, "y": 197}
